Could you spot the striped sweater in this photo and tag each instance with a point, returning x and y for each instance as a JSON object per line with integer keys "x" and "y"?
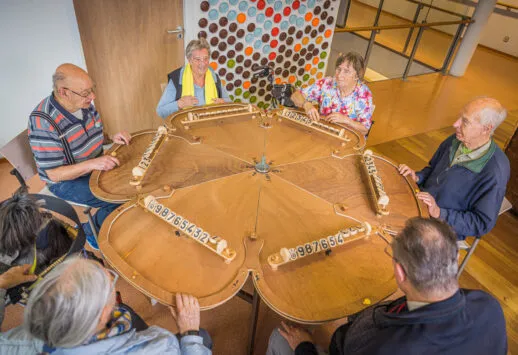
{"x": 85, "y": 137}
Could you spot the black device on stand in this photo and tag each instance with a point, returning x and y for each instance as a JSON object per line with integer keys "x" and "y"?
{"x": 281, "y": 93}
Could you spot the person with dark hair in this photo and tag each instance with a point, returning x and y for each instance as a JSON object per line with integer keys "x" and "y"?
{"x": 343, "y": 99}
{"x": 30, "y": 235}
{"x": 66, "y": 137}
{"x": 194, "y": 84}
{"x": 464, "y": 183}
{"x": 434, "y": 316}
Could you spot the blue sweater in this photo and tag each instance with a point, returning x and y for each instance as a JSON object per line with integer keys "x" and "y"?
{"x": 468, "y": 194}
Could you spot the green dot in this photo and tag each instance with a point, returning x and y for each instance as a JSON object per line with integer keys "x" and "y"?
{"x": 238, "y": 91}
{"x": 231, "y": 63}
{"x": 246, "y": 95}
{"x": 231, "y": 97}
{"x": 305, "y": 77}
{"x": 321, "y": 65}
{"x": 298, "y": 83}
{"x": 260, "y": 104}
{"x": 237, "y": 100}
{"x": 253, "y": 99}
{"x": 322, "y": 55}
{"x": 265, "y": 106}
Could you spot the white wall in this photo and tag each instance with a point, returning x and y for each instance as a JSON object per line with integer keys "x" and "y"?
{"x": 496, "y": 29}
{"x": 36, "y": 36}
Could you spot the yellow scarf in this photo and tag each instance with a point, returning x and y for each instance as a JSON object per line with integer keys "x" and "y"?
{"x": 211, "y": 92}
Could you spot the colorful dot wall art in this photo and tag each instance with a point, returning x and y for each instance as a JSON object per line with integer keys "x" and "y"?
{"x": 291, "y": 36}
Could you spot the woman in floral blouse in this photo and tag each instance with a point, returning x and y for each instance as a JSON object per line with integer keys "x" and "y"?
{"x": 343, "y": 99}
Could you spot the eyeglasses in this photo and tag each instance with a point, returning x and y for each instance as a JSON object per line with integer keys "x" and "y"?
{"x": 83, "y": 95}
{"x": 200, "y": 59}
{"x": 115, "y": 277}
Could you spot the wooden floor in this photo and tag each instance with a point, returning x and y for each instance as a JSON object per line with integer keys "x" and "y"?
{"x": 412, "y": 118}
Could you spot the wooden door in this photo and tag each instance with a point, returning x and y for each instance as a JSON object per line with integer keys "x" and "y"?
{"x": 128, "y": 54}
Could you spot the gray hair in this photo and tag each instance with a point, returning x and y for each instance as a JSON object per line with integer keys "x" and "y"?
{"x": 493, "y": 116}
{"x": 57, "y": 79}
{"x": 427, "y": 251}
{"x": 355, "y": 59}
{"x": 196, "y": 45}
{"x": 65, "y": 307}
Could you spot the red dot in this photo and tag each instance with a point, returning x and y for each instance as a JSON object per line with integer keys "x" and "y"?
{"x": 296, "y": 5}
{"x": 269, "y": 12}
{"x": 274, "y": 43}
{"x": 272, "y": 56}
{"x": 277, "y": 18}
{"x": 286, "y": 11}
{"x": 261, "y": 4}
{"x": 275, "y": 31}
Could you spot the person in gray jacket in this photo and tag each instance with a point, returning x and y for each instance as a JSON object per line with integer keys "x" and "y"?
{"x": 73, "y": 311}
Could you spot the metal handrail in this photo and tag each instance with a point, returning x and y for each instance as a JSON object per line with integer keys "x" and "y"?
{"x": 508, "y": 6}
{"x": 409, "y": 25}
{"x": 438, "y": 8}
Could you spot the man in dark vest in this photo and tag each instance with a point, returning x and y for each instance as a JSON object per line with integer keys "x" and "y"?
{"x": 194, "y": 84}
{"x": 434, "y": 316}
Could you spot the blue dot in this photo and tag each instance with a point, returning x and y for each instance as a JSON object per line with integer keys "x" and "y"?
{"x": 277, "y": 6}
{"x": 311, "y": 4}
{"x": 260, "y": 18}
{"x": 288, "y": 2}
{"x": 300, "y": 22}
{"x": 213, "y": 2}
{"x": 249, "y": 38}
{"x": 268, "y": 25}
{"x": 258, "y": 32}
{"x": 213, "y": 14}
{"x": 233, "y": 2}
{"x": 223, "y": 7}
{"x": 258, "y": 44}
{"x": 302, "y": 9}
{"x": 284, "y": 25}
{"x": 231, "y": 15}
{"x": 243, "y": 5}
{"x": 270, "y": 1}
{"x": 252, "y": 11}
{"x": 293, "y": 19}
{"x": 266, "y": 49}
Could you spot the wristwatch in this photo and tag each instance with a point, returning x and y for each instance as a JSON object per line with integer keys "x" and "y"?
{"x": 190, "y": 332}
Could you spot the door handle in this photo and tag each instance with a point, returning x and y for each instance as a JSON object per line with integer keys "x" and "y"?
{"x": 179, "y": 32}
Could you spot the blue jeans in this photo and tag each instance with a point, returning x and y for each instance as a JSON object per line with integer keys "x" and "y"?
{"x": 78, "y": 191}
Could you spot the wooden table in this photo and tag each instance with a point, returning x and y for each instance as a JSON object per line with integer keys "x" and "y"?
{"x": 205, "y": 168}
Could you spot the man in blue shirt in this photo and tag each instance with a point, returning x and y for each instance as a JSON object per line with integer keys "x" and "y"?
{"x": 464, "y": 183}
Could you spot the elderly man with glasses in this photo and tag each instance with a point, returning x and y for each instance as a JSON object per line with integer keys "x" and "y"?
{"x": 194, "y": 84}
{"x": 434, "y": 317}
{"x": 66, "y": 138}
{"x": 73, "y": 310}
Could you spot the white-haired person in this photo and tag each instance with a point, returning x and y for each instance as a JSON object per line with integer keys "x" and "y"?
{"x": 464, "y": 183}
{"x": 73, "y": 310}
{"x": 434, "y": 316}
{"x": 194, "y": 84}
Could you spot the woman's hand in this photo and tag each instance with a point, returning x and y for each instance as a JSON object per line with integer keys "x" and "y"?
{"x": 311, "y": 111}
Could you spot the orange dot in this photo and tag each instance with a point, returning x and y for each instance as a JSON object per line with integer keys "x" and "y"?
{"x": 316, "y": 60}
{"x": 305, "y": 40}
{"x": 311, "y": 81}
{"x": 319, "y": 39}
{"x": 241, "y": 18}
{"x": 313, "y": 71}
{"x": 223, "y": 82}
{"x": 246, "y": 84}
{"x": 214, "y": 65}
{"x": 249, "y": 51}
{"x": 278, "y": 80}
{"x": 320, "y": 75}
{"x": 307, "y": 67}
{"x": 297, "y": 48}
{"x": 291, "y": 79}
{"x": 328, "y": 33}
{"x": 315, "y": 22}
{"x": 308, "y": 16}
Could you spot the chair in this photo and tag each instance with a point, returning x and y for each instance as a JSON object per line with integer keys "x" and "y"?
{"x": 18, "y": 152}
{"x": 470, "y": 249}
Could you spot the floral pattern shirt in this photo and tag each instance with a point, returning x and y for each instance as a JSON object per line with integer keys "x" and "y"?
{"x": 357, "y": 106}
